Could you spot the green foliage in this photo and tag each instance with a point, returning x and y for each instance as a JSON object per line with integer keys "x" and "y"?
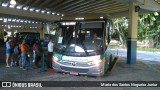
{"x": 148, "y": 26}
{"x": 156, "y": 13}
{"x": 158, "y": 28}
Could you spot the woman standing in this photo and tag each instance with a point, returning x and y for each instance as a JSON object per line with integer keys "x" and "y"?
{"x": 8, "y": 51}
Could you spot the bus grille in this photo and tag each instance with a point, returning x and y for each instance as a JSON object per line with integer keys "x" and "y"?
{"x": 74, "y": 69}
{"x": 78, "y": 64}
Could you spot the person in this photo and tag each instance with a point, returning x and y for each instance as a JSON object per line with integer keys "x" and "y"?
{"x": 17, "y": 54}
{"x": 25, "y": 55}
{"x": 95, "y": 37}
{"x": 36, "y": 53}
{"x": 97, "y": 41}
{"x": 20, "y": 60}
{"x": 8, "y": 51}
{"x": 13, "y": 43}
{"x": 50, "y": 53}
{"x": 35, "y": 48}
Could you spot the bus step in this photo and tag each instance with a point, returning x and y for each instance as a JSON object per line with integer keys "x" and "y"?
{"x": 113, "y": 64}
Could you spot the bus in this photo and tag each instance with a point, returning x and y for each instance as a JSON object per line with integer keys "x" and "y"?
{"x": 82, "y": 47}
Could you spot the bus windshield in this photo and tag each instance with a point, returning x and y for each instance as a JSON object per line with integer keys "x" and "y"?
{"x": 80, "y": 37}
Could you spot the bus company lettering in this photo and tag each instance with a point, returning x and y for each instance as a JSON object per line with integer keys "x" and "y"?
{"x": 81, "y": 58}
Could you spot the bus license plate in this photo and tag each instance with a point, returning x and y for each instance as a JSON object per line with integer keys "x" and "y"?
{"x": 73, "y": 73}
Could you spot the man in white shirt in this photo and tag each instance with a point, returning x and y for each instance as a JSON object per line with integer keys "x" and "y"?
{"x": 50, "y": 54}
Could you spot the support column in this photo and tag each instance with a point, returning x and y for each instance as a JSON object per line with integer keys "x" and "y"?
{"x": 132, "y": 35}
{"x": 48, "y": 28}
{"x": 42, "y": 32}
{"x": 1, "y": 35}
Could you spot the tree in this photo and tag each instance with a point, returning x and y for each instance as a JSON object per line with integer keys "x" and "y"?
{"x": 121, "y": 27}
{"x": 148, "y": 28}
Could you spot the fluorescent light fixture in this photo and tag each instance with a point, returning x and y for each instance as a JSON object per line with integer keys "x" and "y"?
{"x": 79, "y": 18}
{"x": 31, "y": 9}
{"x": 48, "y": 12}
{"x": 32, "y": 21}
{"x": 13, "y": 2}
{"x": 4, "y": 4}
{"x": 36, "y": 22}
{"x": 4, "y": 29}
{"x": 25, "y": 21}
{"x": 101, "y": 17}
{"x": 21, "y": 21}
{"x": 42, "y": 11}
{"x": 62, "y": 14}
{"x": 29, "y": 21}
{"x": 37, "y": 10}
{"x": 9, "y": 27}
{"x": 9, "y": 20}
{"x": 68, "y": 23}
{"x": 13, "y": 20}
{"x": 58, "y": 14}
{"x": 17, "y": 20}
{"x": 1, "y": 18}
{"x": 19, "y": 7}
{"x": 12, "y": 5}
{"x": 5, "y": 20}
{"x": 25, "y": 8}
{"x": 53, "y": 13}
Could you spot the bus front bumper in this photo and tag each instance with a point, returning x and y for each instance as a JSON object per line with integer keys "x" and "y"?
{"x": 95, "y": 70}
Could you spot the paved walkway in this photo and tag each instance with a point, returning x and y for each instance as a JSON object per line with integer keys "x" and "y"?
{"x": 141, "y": 71}
{"x": 122, "y": 72}
{"x": 142, "y": 55}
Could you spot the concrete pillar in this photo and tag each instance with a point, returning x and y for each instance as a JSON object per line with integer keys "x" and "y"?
{"x": 132, "y": 35}
{"x": 1, "y": 33}
{"x": 42, "y": 32}
{"x": 48, "y": 28}
{"x": 45, "y": 29}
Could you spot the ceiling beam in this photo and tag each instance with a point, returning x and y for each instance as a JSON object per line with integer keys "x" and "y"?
{"x": 21, "y": 29}
{"x": 46, "y": 3}
{"x": 39, "y": 16}
{"x": 74, "y": 3}
{"x": 102, "y": 7}
{"x": 148, "y": 4}
{"x": 89, "y": 5}
{"x": 62, "y": 4}
{"x": 53, "y": 3}
{"x": 126, "y": 13}
{"x": 20, "y": 24}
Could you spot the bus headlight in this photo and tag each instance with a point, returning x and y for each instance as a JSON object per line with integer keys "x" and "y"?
{"x": 95, "y": 62}
{"x": 55, "y": 59}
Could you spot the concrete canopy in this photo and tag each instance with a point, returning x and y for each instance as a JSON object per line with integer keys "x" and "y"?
{"x": 55, "y": 9}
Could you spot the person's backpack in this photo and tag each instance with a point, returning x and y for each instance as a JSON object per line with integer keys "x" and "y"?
{"x": 16, "y": 51}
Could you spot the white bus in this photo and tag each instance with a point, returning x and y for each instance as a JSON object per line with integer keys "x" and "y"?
{"x": 81, "y": 47}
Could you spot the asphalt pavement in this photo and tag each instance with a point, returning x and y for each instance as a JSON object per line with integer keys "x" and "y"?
{"x": 142, "y": 55}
